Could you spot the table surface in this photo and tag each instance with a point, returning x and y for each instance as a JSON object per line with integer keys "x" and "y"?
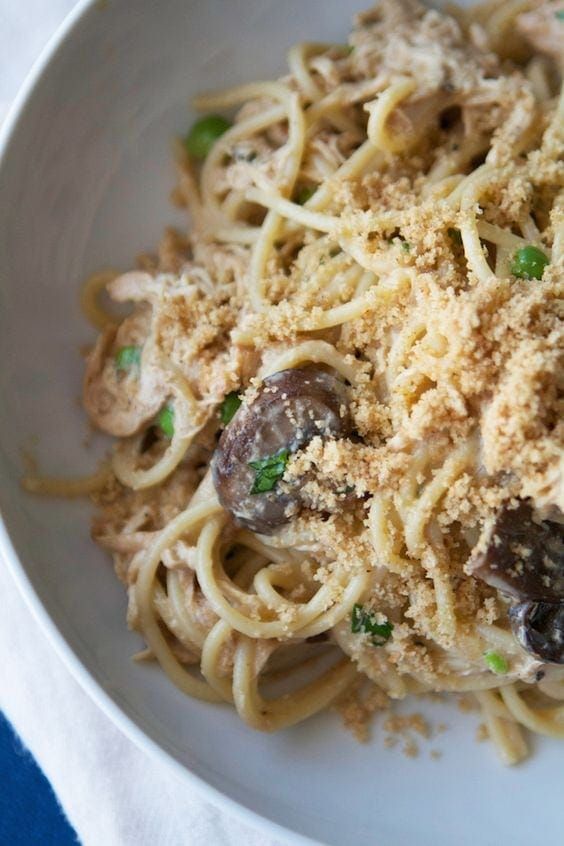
{"x": 29, "y": 811}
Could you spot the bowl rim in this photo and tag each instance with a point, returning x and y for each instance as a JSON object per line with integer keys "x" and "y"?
{"x": 10, "y": 557}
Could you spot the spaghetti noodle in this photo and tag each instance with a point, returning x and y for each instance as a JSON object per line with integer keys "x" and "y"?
{"x": 389, "y": 216}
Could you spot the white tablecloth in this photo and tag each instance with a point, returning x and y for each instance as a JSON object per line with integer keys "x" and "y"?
{"x": 113, "y": 794}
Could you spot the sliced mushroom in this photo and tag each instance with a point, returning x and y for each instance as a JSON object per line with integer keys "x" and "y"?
{"x": 539, "y": 628}
{"x": 292, "y": 407}
{"x": 521, "y": 555}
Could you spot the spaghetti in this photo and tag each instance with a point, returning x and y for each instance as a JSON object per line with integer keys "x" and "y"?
{"x": 389, "y": 216}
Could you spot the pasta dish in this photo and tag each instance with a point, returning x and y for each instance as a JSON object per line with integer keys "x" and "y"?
{"x": 337, "y": 398}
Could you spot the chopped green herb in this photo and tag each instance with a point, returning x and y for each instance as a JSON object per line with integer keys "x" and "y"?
{"x": 228, "y": 407}
{"x": 406, "y": 246}
{"x": 165, "y": 421}
{"x": 454, "y": 234}
{"x": 304, "y": 194}
{"x": 128, "y": 357}
{"x": 559, "y": 14}
{"x": 529, "y": 263}
{"x": 204, "y": 134}
{"x": 268, "y": 471}
{"x": 496, "y": 662}
{"x": 365, "y": 622}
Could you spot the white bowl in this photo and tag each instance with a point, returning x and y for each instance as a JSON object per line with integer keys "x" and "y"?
{"x": 85, "y": 175}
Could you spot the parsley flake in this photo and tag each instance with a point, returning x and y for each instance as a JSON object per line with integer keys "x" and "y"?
{"x": 365, "y": 622}
{"x": 165, "y": 421}
{"x": 496, "y": 662}
{"x": 304, "y": 194}
{"x": 229, "y": 406}
{"x": 127, "y": 358}
{"x": 268, "y": 471}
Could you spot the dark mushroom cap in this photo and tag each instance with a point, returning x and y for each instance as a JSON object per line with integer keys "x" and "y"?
{"x": 539, "y": 628}
{"x": 521, "y": 556}
{"x": 291, "y": 408}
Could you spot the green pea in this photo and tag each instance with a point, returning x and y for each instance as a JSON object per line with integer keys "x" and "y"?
{"x": 529, "y": 263}
{"x": 204, "y": 134}
{"x": 165, "y": 421}
{"x": 304, "y": 194}
{"x": 128, "y": 357}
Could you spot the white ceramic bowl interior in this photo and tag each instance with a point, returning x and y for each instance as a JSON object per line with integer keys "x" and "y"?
{"x": 84, "y": 183}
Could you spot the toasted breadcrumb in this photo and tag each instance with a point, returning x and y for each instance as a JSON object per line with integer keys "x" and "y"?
{"x": 358, "y": 708}
{"x": 467, "y": 704}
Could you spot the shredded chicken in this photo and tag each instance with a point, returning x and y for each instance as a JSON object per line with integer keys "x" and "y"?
{"x": 544, "y": 30}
